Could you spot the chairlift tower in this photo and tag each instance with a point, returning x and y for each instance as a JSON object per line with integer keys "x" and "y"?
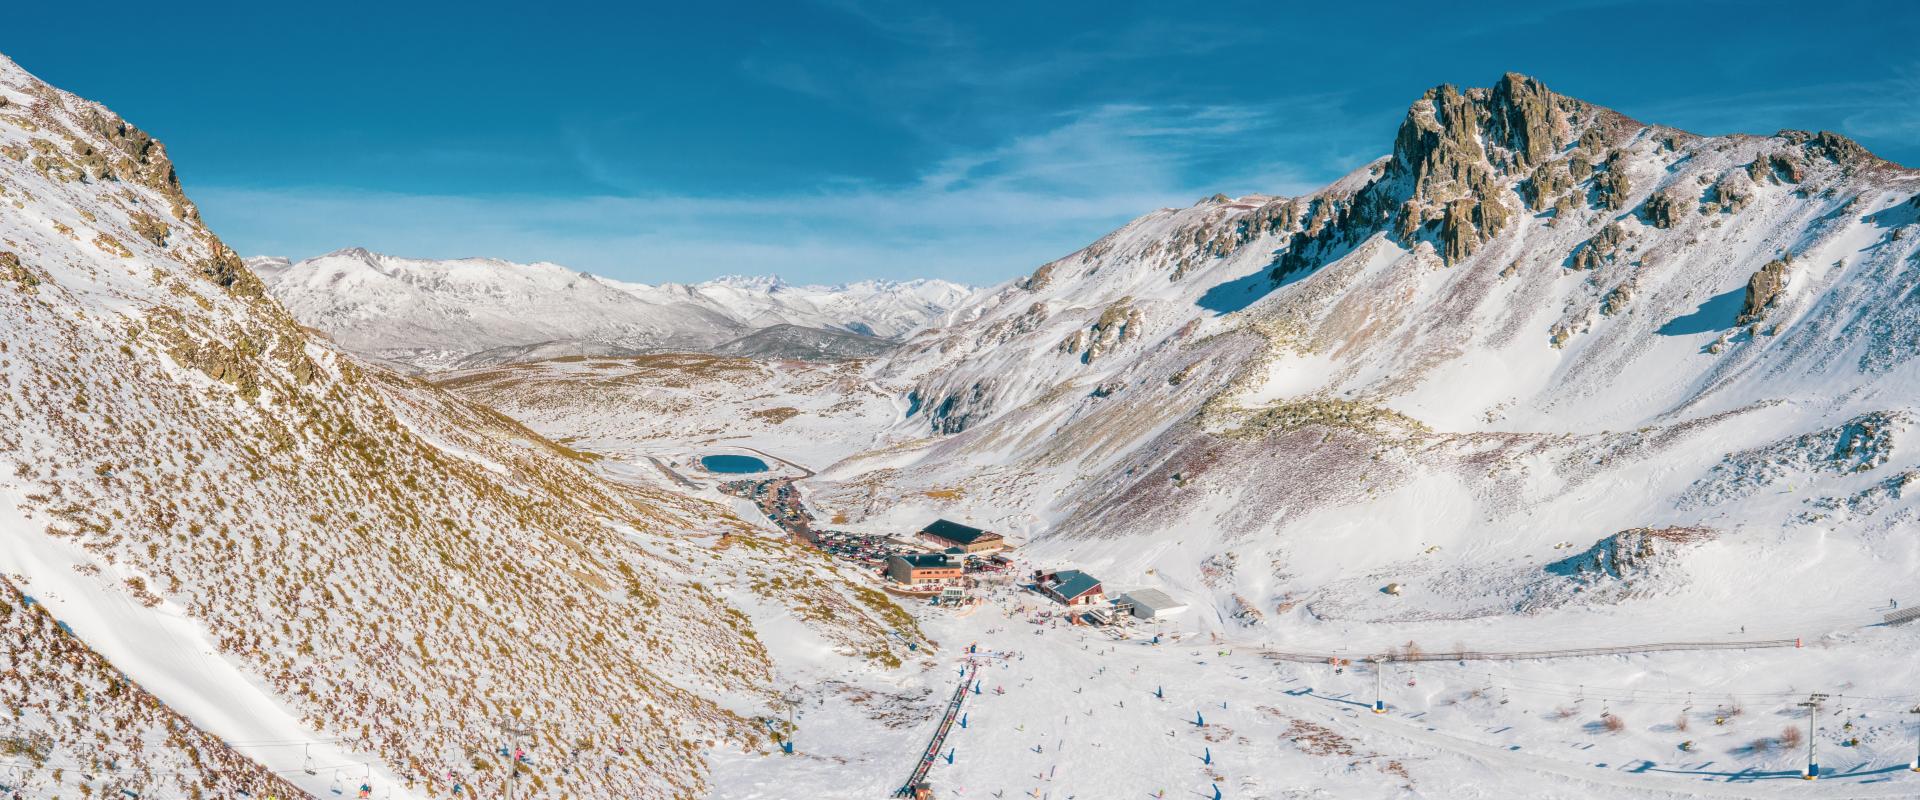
{"x": 793, "y": 698}
{"x": 1379, "y": 685}
{"x": 1812, "y": 704}
{"x": 515, "y": 733}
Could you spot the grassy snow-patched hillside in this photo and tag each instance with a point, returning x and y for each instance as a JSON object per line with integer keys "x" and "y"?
{"x": 309, "y": 556}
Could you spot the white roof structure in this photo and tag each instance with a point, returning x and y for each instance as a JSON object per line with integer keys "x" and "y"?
{"x": 1152, "y": 603}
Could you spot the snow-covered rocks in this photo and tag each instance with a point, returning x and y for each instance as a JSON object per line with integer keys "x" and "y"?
{"x": 1859, "y": 445}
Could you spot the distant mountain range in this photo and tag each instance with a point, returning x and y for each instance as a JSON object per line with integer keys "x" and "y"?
{"x": 432, "y": 315}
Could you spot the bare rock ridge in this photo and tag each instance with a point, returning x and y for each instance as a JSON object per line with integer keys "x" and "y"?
{"x": 1455, "y": 159}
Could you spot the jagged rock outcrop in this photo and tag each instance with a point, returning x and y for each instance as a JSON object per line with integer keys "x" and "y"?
{"x": 1600, "y": 250}
{"x": 1004, "y": 329}
{"x": 12, "y": 270}
{"x": 955, "y": 412}
{"x": 1834, "y": 147}
{"x": 1548, "y": 183}
{"x": 1041, "y": 278}
{"x": 1462, "y": 163}
{"x": 1665, "y": 208}
{"x": 1776, "y": 168}
{"x": 1614, "y": 186}
{"x": 1859, "y": 445}
{"x": 1764, "y": 290}
{"x": 1728, "y": 195}
{"x": 1118, "y": 324}
{"x": 1616, "y": 299}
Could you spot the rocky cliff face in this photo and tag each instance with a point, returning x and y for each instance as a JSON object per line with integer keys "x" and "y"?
{"x": 1467, "y": 164}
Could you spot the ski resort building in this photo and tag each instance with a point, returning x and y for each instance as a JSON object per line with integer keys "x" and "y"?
{"x": 1069, "y": 586}
{"x": 945, "y": 534}
{"x": 917, "y": 568}
{"x": 1150, "y": 604}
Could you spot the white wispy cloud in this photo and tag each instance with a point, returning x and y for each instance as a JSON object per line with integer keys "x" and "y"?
{"x": 979, "y": 216}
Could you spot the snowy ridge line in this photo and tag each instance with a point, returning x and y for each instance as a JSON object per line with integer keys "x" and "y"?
{"x": 437, "y": 315}
{"x": 1529, "y": 655}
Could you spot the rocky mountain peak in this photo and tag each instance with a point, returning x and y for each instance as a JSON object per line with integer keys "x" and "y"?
{"x": 1457, "y": 153}
{"x": 1451, "y": 135}
{"x": 1458, "y": 160}
{"x": 83, "y": 141}
{"x": 356, "y": 253}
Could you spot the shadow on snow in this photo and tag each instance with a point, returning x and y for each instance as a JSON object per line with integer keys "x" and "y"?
{"x": 1718, "y": 313}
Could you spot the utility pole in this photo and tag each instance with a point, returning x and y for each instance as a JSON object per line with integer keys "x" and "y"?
{"x": 1812, "y": 705}
{"x": 514, "y": 734}
{"x": 1379, "y": 693}
{"x": 1915, "y": 766}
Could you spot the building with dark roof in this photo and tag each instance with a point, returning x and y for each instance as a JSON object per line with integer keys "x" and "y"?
{"x": 948, "y": 534}
{"x": 916, "y": 568}
{"x": 1070, "y": 586}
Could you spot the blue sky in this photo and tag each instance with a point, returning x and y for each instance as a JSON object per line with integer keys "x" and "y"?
{"x": 839, "y": 140}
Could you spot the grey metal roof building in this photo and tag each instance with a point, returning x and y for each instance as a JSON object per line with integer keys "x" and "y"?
{"x": 1152, "y": 603}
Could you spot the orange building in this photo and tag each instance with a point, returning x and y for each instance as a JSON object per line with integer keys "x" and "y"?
{"x": 916, "y": 568}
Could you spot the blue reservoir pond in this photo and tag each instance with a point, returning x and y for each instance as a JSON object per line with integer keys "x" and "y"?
{"x": 732, "y": 464}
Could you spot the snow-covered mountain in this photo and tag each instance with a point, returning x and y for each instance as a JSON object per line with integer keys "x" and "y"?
{"x": 238, "y": 561}
{"x": 886, "y": 309}
{"x": 437, "y": 315}
{"x": 1541, "y": 377}
{"x": 1536, "y": 322}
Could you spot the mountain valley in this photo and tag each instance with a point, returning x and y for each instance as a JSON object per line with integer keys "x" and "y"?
{"x": 1551, "y": 453}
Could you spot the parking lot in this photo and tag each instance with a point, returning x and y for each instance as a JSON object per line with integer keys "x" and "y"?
{"x": 779, "y": 501}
